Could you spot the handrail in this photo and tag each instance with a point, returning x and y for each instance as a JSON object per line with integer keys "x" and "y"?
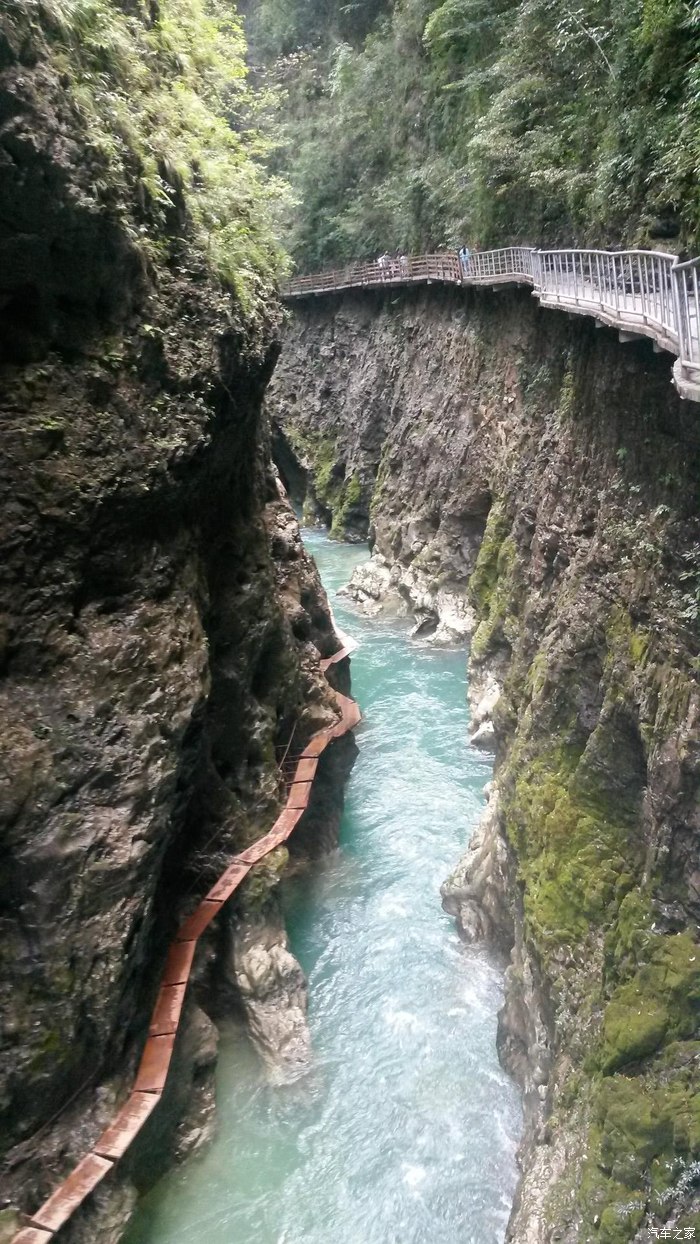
{"x": 687, "y": 304}
{"x": 110, "y": 1147}
{"x": 641, "y": 293}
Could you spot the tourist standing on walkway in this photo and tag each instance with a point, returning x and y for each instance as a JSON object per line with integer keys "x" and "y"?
{"x": 465, "y": 260}
{"x": 383, "y": 262}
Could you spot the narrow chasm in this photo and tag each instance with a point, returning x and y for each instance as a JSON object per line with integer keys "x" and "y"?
{"x": 405, "y": 1127}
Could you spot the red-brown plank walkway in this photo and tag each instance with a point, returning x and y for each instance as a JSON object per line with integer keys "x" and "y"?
{"x": 155, "y": 1060}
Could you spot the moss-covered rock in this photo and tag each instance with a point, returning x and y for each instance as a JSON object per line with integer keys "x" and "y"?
{"x": 572, "y": 846}
{"x": 348, "y": 509}
{"x": 487, "y": 572}
{"x": 318, "y": 474}
{"x": 261, "y": 880}
{"x": 660, "y": 1003}
{"x": 645, "y": 1140}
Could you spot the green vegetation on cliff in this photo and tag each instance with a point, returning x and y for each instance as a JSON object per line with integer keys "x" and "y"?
{"x": 602, "y": 916}
{"x": 490, "y": 583}
{"x": 158, "y": 92}
{"x": 333, "y": 494}
{"x": 281, "y": 26}
{"x": 561, "y": 471}
{"x": 492, "y": 120}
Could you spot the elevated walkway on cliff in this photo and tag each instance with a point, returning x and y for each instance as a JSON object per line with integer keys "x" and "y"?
{"x": 42, "y": 1226}
{"x": 640, "y": 293}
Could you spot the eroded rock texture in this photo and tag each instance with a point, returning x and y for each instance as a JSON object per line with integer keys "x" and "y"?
{"x": 533, "y": 476}
{"x": 159, "y": 635}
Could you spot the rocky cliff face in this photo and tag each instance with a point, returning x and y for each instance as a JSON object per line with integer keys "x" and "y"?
{"x": 159, "y": 638}
{"x": 528, "y": 480}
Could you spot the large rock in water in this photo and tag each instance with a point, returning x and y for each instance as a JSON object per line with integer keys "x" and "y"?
{"x": 272, "y": 989}
{"x": 477, "y": 892}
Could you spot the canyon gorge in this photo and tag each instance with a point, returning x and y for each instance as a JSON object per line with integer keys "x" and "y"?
{"x": 510, "y": 490}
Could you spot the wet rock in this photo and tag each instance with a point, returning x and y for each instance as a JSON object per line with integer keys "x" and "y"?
{"x": 374, "y": 588}
{"x": 105, "y": 1217}
{"x": 273, "y": 994}
{"x": 477, "y": 892}
{"x": 483, "y": 700}
{"x": 484, "y": 736}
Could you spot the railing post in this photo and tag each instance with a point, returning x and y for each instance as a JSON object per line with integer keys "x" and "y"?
{"x": 694, "y": 353}
{"x": 615, "y": 282}
{"x": 680, "y": 322}
{"x": 608, "y": 288}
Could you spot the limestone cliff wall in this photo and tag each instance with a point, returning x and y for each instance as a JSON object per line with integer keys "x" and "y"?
{"x": 159, "y": 635}
{"x": 527, "y": 480}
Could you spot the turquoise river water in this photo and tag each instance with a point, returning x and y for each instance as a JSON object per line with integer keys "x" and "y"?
{"x": 406, "y": 1128}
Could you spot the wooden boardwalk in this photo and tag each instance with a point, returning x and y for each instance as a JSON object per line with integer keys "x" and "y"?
{"x": 152, "y": 1073}
{"x": 640, "y": 293}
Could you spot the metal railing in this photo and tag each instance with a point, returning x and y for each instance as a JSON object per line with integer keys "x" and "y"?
{"x": 508, "y": 262}
{"x": 632, "y": 289}
{"x": 687, "y": 302}
{"x": 642, "y": 293}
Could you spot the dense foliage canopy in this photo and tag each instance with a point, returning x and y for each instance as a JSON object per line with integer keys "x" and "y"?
{"x": 158, "y": 90}
{"x": 424, "y": 122}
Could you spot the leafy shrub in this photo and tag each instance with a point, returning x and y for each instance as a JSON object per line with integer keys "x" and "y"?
{"x": 164, "y": 105}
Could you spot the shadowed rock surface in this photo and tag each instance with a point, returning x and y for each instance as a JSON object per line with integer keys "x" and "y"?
{"x": 159, "y": 638}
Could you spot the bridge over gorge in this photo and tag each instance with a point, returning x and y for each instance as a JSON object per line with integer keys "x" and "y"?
{"x": 640, "y": 293}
